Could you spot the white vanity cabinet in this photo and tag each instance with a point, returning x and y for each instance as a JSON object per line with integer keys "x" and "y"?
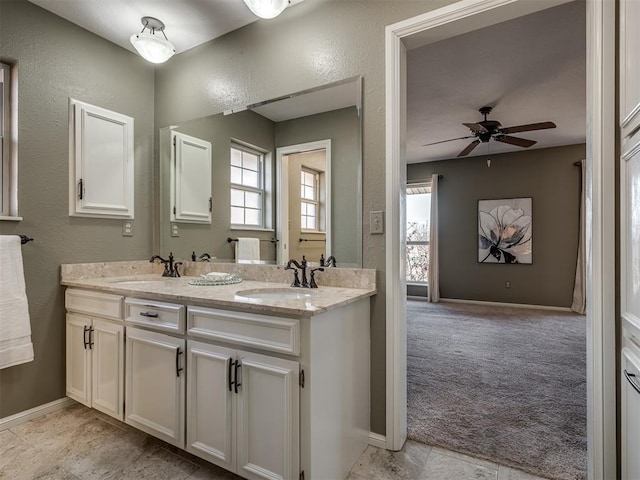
{"x": 155, "y": 384}
{"x": 243, "y": 411}
{"x": 95, "y": 351}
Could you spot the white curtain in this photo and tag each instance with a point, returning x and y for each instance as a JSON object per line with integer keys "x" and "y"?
{"x": 433, "y": 290}
{"x": 579, "y": 304}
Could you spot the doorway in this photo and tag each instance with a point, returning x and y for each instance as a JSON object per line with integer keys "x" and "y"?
{"x": 467, "y": 16}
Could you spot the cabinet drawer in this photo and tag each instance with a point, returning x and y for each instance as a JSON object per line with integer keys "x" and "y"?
{"x": 276, "y": 334}
{"x": 103, "y": 305}
{"x": 168, "y": 317}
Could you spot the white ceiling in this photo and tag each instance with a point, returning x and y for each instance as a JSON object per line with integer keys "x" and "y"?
{"x": 188, "y": 23}
{"x": 531, "y": 69}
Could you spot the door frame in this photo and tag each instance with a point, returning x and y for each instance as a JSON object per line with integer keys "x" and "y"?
{"x": 455, "y": 19}
{"x": 282, "y": 194}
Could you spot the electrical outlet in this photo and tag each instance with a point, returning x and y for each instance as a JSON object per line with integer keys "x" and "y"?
{"x": 127, "y": 228}
{"x": 376, "y": 222}
{"x": 175, "y": 232}
{"x": 507, "y": 284}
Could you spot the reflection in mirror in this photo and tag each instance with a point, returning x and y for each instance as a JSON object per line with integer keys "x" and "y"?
{"x": 287, "y": 169}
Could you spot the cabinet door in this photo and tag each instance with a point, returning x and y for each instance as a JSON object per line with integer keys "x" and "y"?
{"x": 630, "y": 415}
{"x": 107, "y": 345}
{"x": 155, "y": 387}
{"x": 210, "y": 403}
{"x": 78, "y": 359}
{"x": 101, "y": 164}
{"x": 190, "y": 179}
{"x": 268, "y": 430}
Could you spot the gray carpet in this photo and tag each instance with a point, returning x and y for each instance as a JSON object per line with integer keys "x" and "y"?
{"x": 499, "y": 383}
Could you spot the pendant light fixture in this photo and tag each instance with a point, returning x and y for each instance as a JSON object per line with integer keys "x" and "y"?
{"x": 267, "y": 8}
{"x": 153, "y": 48}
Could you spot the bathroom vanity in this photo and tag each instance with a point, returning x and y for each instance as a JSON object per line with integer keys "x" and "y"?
{"x": 262, "y": 379}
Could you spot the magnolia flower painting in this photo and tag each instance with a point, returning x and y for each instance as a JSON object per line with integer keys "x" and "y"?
{"x": 504, "y": 231}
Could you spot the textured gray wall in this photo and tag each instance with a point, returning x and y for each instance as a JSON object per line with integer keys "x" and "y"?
{"x": 550, "y": 178}
{"x": 58, "y": 60}
{"x": 311, "y": 44}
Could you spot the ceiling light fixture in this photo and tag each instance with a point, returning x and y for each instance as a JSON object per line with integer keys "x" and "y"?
{"x": 150, "y": 46}
{"x": 267, "y": 8}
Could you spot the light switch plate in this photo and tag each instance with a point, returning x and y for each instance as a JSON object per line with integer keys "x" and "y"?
{"x": 127, "y": 228}
{"x": 175, "y": 232}
{"x": 376, "y": 222}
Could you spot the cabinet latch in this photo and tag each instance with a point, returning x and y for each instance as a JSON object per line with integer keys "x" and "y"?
{"x": 301, "y": 381}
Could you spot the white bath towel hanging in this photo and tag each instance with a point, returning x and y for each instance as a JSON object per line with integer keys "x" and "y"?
{"x": 247, "y": 250}
{"x": 15, "y": 326}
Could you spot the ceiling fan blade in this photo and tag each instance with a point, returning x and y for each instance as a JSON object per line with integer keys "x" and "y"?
{"x": 475, "y": 127}
{"x": 444, "y": 141}
{"x": 469, "y": 148}
{"x": 528, "y": 128}
{"x": 520, "y": 142}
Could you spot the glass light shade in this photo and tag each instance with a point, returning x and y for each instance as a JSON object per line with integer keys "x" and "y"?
{"x": 152, "y": 48}
{"x": 267, "y": 8}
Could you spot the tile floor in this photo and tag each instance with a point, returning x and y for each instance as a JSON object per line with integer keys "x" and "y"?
{"x": 81, "y": 443}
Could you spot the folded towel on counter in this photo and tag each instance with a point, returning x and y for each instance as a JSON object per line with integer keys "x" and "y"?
{"x": 247, "y": 249}
{"x": 15, "y": 325}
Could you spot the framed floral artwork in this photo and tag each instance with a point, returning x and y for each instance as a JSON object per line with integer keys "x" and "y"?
{"x": 505, "y": 230}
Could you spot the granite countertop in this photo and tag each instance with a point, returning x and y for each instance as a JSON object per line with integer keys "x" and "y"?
{"x": 166, "y": 289}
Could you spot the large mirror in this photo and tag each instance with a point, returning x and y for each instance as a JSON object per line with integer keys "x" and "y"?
{"x": 285, "y": 174}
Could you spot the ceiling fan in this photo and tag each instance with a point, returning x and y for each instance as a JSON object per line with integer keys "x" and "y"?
{"x": 486, "y": 130}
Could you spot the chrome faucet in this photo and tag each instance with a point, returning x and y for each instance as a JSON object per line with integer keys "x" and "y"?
{"x": 302, "y": 266}
{"x": 170, "y": 268}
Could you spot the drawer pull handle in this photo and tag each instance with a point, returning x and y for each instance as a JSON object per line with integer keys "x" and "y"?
{"x": 229, "y": 374}
{"x": 631, "y": 377}
{"x": 178, "y": 367}
{"x": 84, "y": 336}
{"x": 91, "y": 338}
{"x": 236, "y": 382}
{"x": 149, "y": 314}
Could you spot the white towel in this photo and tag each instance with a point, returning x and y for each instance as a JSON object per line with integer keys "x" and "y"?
{"x": 247, "y": 250}
{"x": 15, "y": 326}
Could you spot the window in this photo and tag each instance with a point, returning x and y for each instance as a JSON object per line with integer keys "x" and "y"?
{"x": 247, "y": 187}
{"x": 418, "y": 213}
{"x": 8, "y": 140}
{"x": 309, "y": 203}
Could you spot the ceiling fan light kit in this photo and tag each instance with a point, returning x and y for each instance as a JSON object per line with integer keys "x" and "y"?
{"x": 153, "y": 48}
{"x": 267, "y": 8}
{"x": 487, "y": 130}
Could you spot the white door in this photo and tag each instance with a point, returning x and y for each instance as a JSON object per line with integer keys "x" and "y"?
{"x": 629, "y": 107}
{"x": 107, "y": 346}
{"x": 190, "y": 179}
{"x": 102, "y": 157}
{"x": 268, "y": 430}
{"x": 78, "y": 358}
{"x": 210, "y": 397}
{"x": 154, "y": 384}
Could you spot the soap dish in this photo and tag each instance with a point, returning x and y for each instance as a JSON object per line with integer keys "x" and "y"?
{"x": 203, "y": 282}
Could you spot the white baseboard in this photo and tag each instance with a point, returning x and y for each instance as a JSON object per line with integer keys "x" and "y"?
{"x": 33, "y": 413}
{"x": 504, "y": 304}
{"x": 377, "y": 440}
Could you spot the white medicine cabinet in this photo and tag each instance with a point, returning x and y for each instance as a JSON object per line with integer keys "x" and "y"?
{"x": 101, "y": 162}
{"x": 191, "y": 200}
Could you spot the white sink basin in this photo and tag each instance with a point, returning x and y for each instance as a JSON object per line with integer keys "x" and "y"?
{"x": 276, "y": 294}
